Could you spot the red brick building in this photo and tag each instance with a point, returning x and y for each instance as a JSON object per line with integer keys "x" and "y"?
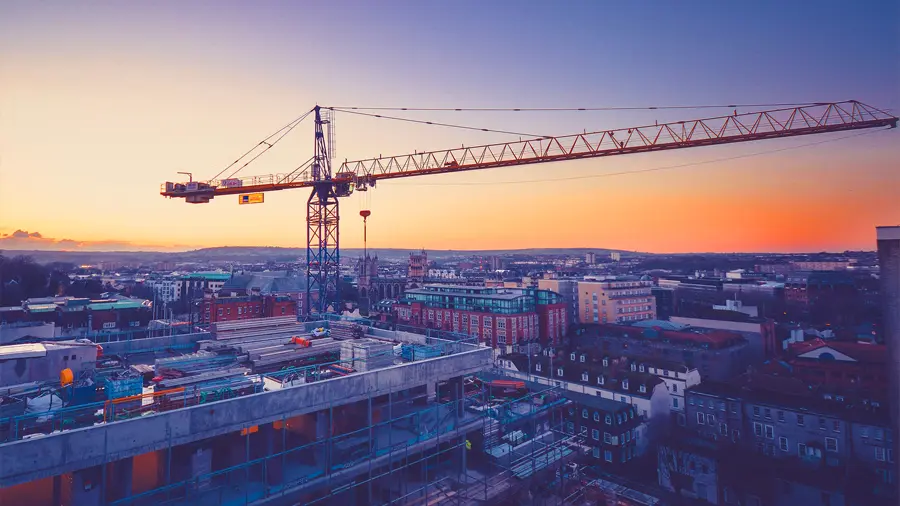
{"x": 80, "y": 315}
{"x": 837, "y": 365}
{"x": 221, "y": 309}
{"x": 500, "y": 317}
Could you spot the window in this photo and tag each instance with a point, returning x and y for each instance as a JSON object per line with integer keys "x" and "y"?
{"x": 821, "y": 424}
{"x": 605, "y": 362}
{"x": 596, "y": 416}
{"x": 780, "y": 416}
{"x": 836, "y": 426}
{"x": 735, "y": 435}
{"x": 801, "y": 449}
{"x": 595, "y": 434}
{"x": 701, "y": 420}
{"x": 711, "y": 419}
{"x": 675, "y": 387}
{"x": 831, "y": 444}
{"x": 572, "y": 357}
{"x": 596, "y": 452}
{"x": 570, "y": 427}
{"x": 608, "y": 420}
{"x": 581, "y": 358}
{"x": 643, "y": 389}
{"x": 559, "y": 371}
{"x": 864, "y": 432}
{"x": 584, "y": 376}
{"x": 879, "y": 434}
{"x": 583, "y": 430}
{"x": 674, "y": 402}
{"x": 756, "y": 411}
{"x": 879, "y": 454}
{"x": 783, "y": 444}
{"x": 757, "y": 429}
{"x": 607, "y": 438}
{"x": 733, "y": 407}
{"x": 600, "y": 380}
{"x": 537, "y": 367}
{"x": 800, "y": 421}
{"x": 691, "y": 400}
{"x": 768, "y": 413}
{"x": 770, "y": 432}
{"x": 607, "y": 456}
{"x": 723, "y": 429}
{"x": 584, "y": 413}
{"x": 625, "y": 384}
{"x": 642, "y": 368}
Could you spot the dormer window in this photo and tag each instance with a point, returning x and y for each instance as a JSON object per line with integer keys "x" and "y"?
{"x": 643, "y": 389}
{"x": 584, "y": 376}
{"x": 600, "y": 380}
{"x": 625, "y": 384}
{"x": 582, "y": 358}
{"x": 559, "y": 372}
{"x": 537, "y": 367}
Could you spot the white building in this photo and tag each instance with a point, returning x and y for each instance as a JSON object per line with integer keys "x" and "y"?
{"x": 167, "y": 290}
{"x": 575, "y": 373}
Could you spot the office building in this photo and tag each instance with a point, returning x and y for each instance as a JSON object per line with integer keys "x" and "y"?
{"x": 615, "y": 300}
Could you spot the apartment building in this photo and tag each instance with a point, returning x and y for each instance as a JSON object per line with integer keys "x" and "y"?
{"x": 612, "y": 429}
{"x": 617, "y": 300}
{"x": 504, "y": 318}
{"x": 815, "y": 449}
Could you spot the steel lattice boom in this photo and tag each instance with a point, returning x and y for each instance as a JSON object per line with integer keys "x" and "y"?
{"x": 777, "y": 123}
{"x": 323, "y": 253}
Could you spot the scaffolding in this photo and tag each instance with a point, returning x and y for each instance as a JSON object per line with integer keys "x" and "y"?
{"x": 464, "y": 441}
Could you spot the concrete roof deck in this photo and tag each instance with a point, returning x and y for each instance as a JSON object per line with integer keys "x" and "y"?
{"x": 56, "y": 453}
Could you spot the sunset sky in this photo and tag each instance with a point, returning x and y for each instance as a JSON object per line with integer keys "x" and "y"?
{"x": 100, "y": 102}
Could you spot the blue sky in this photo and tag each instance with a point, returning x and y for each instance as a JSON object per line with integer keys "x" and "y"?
{"x": 108, "y": 99}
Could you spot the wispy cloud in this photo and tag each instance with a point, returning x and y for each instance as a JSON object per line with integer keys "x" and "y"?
{"x": 25, "y": 240}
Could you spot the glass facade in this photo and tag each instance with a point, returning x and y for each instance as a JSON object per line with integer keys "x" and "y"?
{"x": 482, "y": 299}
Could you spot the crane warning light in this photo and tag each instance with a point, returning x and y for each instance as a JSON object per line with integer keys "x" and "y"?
{"x": 251, "y": 198}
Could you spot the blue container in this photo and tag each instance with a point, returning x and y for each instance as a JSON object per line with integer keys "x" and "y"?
{"x": 116, "y": 388}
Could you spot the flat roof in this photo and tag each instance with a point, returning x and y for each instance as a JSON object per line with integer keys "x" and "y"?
{"x": 15, "y": 351}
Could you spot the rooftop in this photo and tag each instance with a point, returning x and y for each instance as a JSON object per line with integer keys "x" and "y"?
{"x": 595, "y": 401}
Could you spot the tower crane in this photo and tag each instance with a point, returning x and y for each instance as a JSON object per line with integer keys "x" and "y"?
{"x": 322, "y": 218}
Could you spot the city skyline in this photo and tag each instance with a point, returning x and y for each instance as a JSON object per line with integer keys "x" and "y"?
{"x": 101, "y": 106}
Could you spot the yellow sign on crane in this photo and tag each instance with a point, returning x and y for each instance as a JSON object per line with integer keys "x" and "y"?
{"x": 252, "y": 198}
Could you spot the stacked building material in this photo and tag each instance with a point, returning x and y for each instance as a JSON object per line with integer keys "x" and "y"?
{"x": 201, "y": 378}
{"x": 367, "y": 354}
{"x": 413, "y": 352}
{"x": 193, "y": 363}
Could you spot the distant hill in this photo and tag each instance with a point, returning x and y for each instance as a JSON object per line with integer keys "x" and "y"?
{"x": 276, "y": 254}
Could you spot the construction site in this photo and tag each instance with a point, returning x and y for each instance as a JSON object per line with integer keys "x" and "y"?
{"x": 273, "y": 411}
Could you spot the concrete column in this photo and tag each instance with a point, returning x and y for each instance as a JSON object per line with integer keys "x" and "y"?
{"x": 87, "y": 489}
{"x": 889, "y": 265}
{"x": 269, "y": 444}
{"x": 123, "y": 471}
{"x": 200, "y": 463}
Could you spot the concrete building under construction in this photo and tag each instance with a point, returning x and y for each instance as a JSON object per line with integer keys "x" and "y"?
{"x": 271, "y": 411}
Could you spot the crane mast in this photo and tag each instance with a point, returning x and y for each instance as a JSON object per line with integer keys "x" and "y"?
{"x": 322, "y": 218}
